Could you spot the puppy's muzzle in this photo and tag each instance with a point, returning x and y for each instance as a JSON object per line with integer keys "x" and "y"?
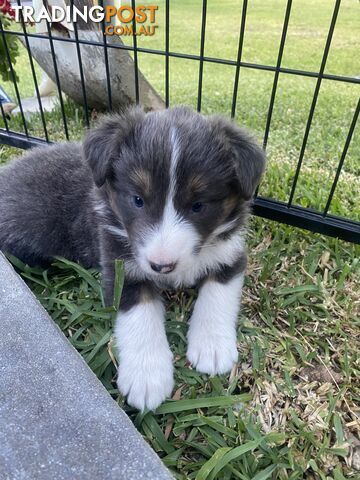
{"x": 163, "y": 268}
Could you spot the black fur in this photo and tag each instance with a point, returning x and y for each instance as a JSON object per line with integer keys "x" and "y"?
{"x": 227, "y": 272}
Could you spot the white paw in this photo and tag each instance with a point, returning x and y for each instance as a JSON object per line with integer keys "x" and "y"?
{"x": 211, "y": 354}
{"x": 146, "y": 380}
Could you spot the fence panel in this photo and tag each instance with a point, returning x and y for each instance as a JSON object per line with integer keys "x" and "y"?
{"x": 317, "y": 220}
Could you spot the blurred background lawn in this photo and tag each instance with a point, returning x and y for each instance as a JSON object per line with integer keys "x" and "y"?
{"x": 307, "y": 31}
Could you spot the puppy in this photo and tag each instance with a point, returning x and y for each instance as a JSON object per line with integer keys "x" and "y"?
{"x": 169, "y": 193}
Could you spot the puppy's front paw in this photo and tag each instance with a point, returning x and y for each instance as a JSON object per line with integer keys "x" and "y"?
{"x": 211, "y": 354}
{"x": 146, "y": 381}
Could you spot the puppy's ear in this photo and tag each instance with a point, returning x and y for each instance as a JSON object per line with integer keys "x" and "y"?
{"x": 247, "y": 155}
{"x": 102, "y": 145}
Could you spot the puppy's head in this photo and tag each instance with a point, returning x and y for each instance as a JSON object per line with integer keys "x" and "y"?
{"x": 177, "y": 181}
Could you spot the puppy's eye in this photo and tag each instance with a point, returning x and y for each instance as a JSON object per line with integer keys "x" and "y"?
{"x": 197, "y": 207}
{"x": 139, "y": 202}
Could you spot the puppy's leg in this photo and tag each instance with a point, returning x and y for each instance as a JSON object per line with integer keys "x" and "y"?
{"x": 212, "y": 332}
{"x": 145, "y": 372}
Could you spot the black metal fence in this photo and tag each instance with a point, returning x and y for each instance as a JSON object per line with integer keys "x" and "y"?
{"x": 271, "y": 208}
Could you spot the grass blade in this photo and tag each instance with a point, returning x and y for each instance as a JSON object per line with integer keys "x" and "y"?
{"x": 233, "y": 454}
{"x": 119, "y": 282}
{"x": 208, "y": 466}
{"x": 264, "y": 474}
{"x": 192, "y": 404}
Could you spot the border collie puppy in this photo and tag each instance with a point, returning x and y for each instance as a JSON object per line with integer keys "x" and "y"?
{"x": 168, "y": 192}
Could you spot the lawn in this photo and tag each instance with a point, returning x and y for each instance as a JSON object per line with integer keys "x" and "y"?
{"x": 290, "y": 409}
{"x": 308, "y": 28}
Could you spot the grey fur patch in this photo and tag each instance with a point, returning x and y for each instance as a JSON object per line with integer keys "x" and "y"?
{"x": 45, "y": 207}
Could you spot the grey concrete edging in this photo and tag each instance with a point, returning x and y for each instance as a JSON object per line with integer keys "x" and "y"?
{"x": 56, "y": 419}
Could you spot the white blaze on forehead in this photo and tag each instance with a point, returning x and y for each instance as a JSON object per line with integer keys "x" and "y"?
{"x": 173, "y": 239}
{"x": 175, "y": 154}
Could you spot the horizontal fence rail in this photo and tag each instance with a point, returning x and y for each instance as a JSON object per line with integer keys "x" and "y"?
{"x": 271, "y": 208}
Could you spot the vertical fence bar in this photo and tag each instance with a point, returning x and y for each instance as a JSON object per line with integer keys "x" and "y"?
{"x": 13, "y": 77}
{"x": 167, "y": 48}
{"x": 277, "y": 73}
{"x": 136, "y": 67}
{"x": 32, "y": 67}
{"x": 57, "y": 78}
{"x": 82, "y": 78}
{"x": 342, "y": 158}
{"x": 315, "y": 97}
{"x": 106, "y": 60}
{"x": 202, "y": 50}
{"x": 239, "y": 57}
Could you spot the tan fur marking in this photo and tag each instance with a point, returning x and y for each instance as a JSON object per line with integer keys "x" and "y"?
{"x": 229, "y": 204}
{"x": 197, "y": 183}
{"x": 142, "y": 179}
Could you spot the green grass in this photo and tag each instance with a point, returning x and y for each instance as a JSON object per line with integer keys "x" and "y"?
{"x": 288, "y": 408}
{"x": 291, "y": 406}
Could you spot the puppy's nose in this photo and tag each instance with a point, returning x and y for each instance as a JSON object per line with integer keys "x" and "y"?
{"x": 162, "y": 267}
